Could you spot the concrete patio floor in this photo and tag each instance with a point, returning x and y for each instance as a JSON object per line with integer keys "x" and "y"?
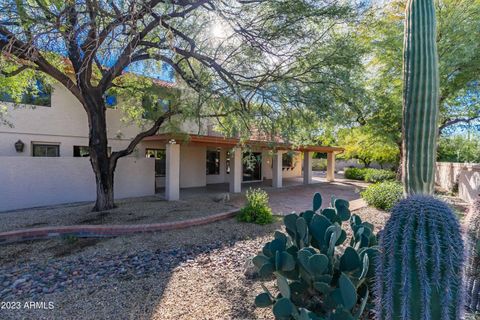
{"x": 294, "y": 196}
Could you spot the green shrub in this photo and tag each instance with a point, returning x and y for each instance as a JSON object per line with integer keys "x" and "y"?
{"x": 355, "y": 173}
{"x": 319, "y": 164}
{"x": 315, "y": 280}
{"x": 383, "y": 195}
{"x": 379, "y": 175}
{"x": 369, "y": 174}
{"x": 257, "y": 209}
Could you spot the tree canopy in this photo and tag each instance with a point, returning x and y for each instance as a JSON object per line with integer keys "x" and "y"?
{"x": 458, "y": 32}
{"x": 244, "y": 63}
{"x": 363, "y": 145}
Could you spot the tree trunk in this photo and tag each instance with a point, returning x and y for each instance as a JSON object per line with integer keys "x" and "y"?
{"x": 366, "y": 163}
{"x": 102, "y": 165}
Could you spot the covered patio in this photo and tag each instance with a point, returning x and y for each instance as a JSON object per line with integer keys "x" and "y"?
{"x": 293, "y": 196}
{"x": 272, "y": 170}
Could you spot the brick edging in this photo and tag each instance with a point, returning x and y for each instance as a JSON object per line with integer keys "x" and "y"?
{"x": 102, "y": 231}
{"x": 99, "y": 231}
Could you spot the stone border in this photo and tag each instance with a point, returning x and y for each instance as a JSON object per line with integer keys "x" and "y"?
{"x": 101, "y": 231}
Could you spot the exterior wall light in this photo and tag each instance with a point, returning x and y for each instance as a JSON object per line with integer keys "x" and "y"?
{"x": 172, "y": 141}
{"x": 19, "y": 145}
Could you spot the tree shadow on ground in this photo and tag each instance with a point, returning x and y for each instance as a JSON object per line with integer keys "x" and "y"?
{"x": 94, "y": 282}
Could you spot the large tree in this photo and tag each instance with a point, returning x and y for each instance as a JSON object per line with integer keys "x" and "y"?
{"x": 229, "y": 52}
{"x": 380, "y": 34}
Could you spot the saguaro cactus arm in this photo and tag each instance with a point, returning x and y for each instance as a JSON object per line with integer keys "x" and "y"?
{"x": 420, "y": 97}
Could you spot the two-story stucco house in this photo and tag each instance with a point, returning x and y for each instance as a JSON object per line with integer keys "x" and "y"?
{"x": 44, "y": 157}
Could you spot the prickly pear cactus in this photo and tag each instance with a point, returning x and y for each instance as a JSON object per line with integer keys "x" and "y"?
{"x": 420, "y": 97}
{"x": 315, "y": 279}
{"x": 472, "y": 270}
{"x": 419, "y": 270}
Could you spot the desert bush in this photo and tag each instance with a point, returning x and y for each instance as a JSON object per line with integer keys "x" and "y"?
{"x": 319, "y": 164}
{"x": 355, "y": 173}
{"x": 314, "y": 279}
{"x": 379, "y": 175}
{"x": 257, "y": 209}
{"x": 383, "y": 195}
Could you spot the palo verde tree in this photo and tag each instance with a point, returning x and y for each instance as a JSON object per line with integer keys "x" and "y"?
{"x": 380, "y": 37}
{"x": 225, "y": 51}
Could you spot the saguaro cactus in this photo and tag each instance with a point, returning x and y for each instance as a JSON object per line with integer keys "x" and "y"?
{"x": 420, "y": 97}
{"x": 419, "y": 270}
{"x": 418, "y": 275}
{"x": 472, "y": 272}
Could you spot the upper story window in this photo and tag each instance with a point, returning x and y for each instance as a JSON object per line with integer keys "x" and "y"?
{"x": 45, "y": 150}
{"x": 39, "y": 94}
{"x": 213, "y": 162}
{"x": 111, "y": 101}
{"x": 153, "y": 106}
{"x": 160, "y": 160}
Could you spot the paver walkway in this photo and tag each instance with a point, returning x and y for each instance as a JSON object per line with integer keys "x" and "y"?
{"x": 294, "y": 196}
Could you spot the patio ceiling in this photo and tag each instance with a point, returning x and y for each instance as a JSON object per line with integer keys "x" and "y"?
{"x": 219, "y": 141}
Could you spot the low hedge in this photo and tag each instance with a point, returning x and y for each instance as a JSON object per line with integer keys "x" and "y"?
{"x": 369, "y": 174}
{"x": 383, "y": 195}
{"x": 355, "y": 173}
{"x": 379, "y": 175}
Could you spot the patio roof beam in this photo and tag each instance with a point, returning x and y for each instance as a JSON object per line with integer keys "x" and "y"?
{"x": 219, "y": 141}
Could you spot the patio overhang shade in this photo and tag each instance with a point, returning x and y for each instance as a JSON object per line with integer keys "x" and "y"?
{"x": 220, "y": 141}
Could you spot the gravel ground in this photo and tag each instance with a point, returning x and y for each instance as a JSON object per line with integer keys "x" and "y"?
{"x": 195, "y": 273}
{"x": 152, "y": 209}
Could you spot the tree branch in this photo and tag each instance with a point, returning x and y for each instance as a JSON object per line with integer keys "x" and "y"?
{"x": 451, "y": 122}
{"x": 10, "y": 44}
{"x": 139, "y": 137}
{"x": 16, "y": 71}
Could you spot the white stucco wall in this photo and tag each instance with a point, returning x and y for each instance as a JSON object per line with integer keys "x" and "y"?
{"x": 33, "y": 181}
{"x": 466, "y": 175}
{"x": 193, "y": 166}
{"x": 64, "y": 122}
{"x": 469, "y": 183}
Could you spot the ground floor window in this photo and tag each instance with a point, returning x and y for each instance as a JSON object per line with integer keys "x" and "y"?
{"x": 160, "y": 160}
{"x": 287, "y": 160}
{"x": 227, "y": 163}
{"x": 213, "y": 162}
{"x": 84, "y": 151}
{"x": 45, "y": 150}
{"x": 252, "y": 166}
{"x": 81, "y": 151}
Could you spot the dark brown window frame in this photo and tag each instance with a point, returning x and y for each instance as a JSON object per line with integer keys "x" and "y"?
{"x": 158, "y": 161}
{"x": 55, "y": 145}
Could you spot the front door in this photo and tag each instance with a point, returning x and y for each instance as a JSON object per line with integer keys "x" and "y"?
{"x": 252, "y": 166}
